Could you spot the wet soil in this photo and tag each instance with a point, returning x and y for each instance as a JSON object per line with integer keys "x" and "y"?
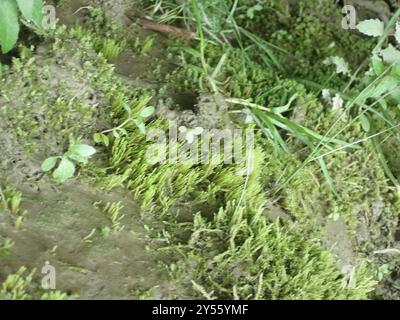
{"x": 64, "y": 227}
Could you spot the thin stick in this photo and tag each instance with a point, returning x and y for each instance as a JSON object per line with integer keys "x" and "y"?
{"x": 164, "y": 28}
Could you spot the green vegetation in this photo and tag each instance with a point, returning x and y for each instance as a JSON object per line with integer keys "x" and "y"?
{"x": 311, "y": 213}
{"x": 77, "y": 152}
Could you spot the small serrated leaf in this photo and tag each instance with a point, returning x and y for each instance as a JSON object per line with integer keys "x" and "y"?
{"x": 391, "y": 55}
{"x": 127, "y": 109}
{"x": 341, "y": 65}
{"x": 371, "y": 27}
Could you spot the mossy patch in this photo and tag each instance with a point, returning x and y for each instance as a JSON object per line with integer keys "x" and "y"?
{"x": 210, "y": 221}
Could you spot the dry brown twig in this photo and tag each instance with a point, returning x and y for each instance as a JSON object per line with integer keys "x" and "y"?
{"x": 167, "y": 29}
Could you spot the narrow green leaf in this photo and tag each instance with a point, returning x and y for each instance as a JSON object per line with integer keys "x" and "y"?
{"x": 9, "y": 25}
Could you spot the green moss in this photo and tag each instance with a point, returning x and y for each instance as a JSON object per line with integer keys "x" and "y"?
{"x": 268, "y": 261}
{"x": 260, "y": 260}
{"x": 230, "y": 247}
{"x": 310, "y": 31}
{"x": 17, "y": 285}
{"x": 21, "y": 286}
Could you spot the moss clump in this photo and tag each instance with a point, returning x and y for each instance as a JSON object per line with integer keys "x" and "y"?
{"x": 45, "y": 110}
{"x": 239, "y": 255}
{"x": 205, "y": 213}
{"x": 20, "y": 286}
{"x": 267, "y": 260}
{"x": 310, "y": 31}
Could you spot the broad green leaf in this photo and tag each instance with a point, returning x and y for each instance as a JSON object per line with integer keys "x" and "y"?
{"x": 122, "y": 131}
{"x": 49, "y": 164}
{"x": 391, "y": 55}
{"x": 9, "y": 25}
{"x": 82, "y": 150}
{"x": 97, "y": 137}
{"x": 147, "y": 112}
{"x": 65, "y": 170}
{"x": 372, "y": 27}
{"x": 140, "y": 125}
{"x": 32, "y": 10}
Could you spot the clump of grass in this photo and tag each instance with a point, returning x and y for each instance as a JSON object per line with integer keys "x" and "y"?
{"x": 144, "y": 46}
{"x": 260, "y": 260}
{"x": 54, "y": 295}
{"x": 5, "y": 247}
{"x": 16, "y": 286}
{"x": 109, "y": 48}
{"x": 20, "y": 286}
{"x": 10, "y": 201}
{"x": 113, "y": 213}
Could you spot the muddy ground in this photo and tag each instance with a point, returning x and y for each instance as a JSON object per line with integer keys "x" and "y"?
{"x": 66, "y": 225}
